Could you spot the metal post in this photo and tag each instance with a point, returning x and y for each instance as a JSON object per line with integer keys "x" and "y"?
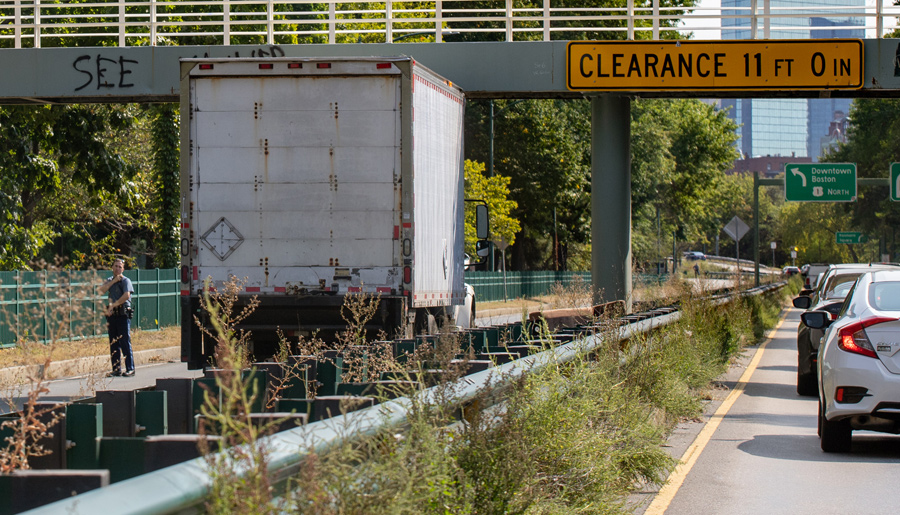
{"x": 756, "y": 228}
{"x": 555, "y": 245}
{"x": 658, "y": 237}
{"x": 611, "y": 199}
{"x": 490, "y": 260}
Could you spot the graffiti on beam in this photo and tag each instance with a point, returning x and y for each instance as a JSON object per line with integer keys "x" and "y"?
{"x": 267, "y": 51}
{"x": 106, "y": 72}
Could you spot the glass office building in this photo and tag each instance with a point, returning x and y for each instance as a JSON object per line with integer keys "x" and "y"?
{"x": 790, "y": 127}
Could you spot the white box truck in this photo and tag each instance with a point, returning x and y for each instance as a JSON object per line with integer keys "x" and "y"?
{"x": 315, "y": 178}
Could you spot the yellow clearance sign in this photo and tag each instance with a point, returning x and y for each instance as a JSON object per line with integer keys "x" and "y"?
{"x": 754, "y": 65}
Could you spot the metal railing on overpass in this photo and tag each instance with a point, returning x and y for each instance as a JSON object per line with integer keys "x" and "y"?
{"x": 37, "y": 23}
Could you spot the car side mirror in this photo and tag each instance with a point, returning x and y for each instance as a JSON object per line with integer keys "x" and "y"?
{"x": 802, "y": 302}
{"x": 816, "y": 319}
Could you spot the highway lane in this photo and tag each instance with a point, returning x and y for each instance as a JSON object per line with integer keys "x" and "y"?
{"x": 764, "y": 455}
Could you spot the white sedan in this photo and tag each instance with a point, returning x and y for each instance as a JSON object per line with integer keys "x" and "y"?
{"x": 859, "y": 362}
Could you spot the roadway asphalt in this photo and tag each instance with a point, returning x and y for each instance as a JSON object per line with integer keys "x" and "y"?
{"x": 755, "y": 449}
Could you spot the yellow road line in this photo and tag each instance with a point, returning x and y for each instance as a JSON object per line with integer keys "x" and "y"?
{"x": 668, "y": 491}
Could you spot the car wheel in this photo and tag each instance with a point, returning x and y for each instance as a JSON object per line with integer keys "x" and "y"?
{"x": 835, "y": 435}
{"x": 807, "y": 384}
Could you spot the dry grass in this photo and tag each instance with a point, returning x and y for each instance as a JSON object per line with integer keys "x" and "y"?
{"x": 35, "y": 353}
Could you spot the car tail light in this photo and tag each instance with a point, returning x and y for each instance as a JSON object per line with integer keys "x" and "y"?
{"x": 853, "y": 338}
{"x": 850, "y": 394}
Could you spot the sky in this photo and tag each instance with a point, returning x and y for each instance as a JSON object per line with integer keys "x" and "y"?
{"x": 698, "y": 23}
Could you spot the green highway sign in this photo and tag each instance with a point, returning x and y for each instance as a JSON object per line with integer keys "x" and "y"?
{"x": 895, "y": 182}
{"x": 820, "y": 182}
{"x": 850, "y": 237}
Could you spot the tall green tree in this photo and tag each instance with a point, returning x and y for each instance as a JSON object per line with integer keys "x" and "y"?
{"x": 167, "y": 182}
{"x": 696, "y": 147}
{"x": 542, "y": 145}
{"x": 58, "y": 172}
{"x": 873, "y": 143}
{"x": 495, "y": 192}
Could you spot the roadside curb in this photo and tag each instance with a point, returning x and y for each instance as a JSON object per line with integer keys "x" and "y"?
{"x": 81, "y": 366}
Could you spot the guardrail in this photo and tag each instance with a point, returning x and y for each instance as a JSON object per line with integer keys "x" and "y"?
{"x": 184, "y": 487}
{"x": 38, "y": 23}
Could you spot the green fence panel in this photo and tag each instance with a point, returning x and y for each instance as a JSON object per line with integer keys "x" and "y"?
{"x": 61, "y": 305}
{"x": 493, "y": 286}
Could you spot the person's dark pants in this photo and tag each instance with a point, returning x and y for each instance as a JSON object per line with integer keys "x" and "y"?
{"x": 119, "y": 328}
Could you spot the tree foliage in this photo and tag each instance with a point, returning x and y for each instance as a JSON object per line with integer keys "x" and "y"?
{"x": 873, "y": 143}
{"x": 166, "y": 178}
{"x": 542, "y": 145}
{"x": 60, "y": 175}
{"x": 494, "y": 191}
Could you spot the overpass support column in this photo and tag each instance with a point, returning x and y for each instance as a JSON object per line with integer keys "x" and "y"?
{"x": 611, "y": 198}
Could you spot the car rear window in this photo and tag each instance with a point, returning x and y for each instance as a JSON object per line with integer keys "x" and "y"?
{"x": 839, "y": 285}
{"x": 885, "y": 296}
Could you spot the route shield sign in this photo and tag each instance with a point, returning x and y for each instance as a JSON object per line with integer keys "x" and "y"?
{"x": 850, "y": 237}
{"x": 820, "y": 182}
{"x": 895, "y": 182}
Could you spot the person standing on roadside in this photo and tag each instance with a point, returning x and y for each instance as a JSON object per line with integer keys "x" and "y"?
{"x": 118, "y": 319}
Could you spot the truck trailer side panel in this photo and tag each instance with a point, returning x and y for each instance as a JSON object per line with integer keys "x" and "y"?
{"x": 438, "y": 164}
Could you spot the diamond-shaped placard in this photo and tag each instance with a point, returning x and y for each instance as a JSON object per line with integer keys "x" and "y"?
{"x": 222, "y": 238}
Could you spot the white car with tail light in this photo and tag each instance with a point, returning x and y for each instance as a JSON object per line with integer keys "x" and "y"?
{"x": 828, "y": 296}
{"x": 859, "y": 362}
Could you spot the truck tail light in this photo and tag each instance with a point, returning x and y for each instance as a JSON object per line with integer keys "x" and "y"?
{"x": 266, "y": 66}
{"x": 323, "y": 66}
{"x": 407, "y": 274}
{"x": 853, "y": 338}
{"x": 206, "y": 67}
{"x": 185, "y": 273}
{"x": 383, "y": 66}
{"x": 295, "y": 66}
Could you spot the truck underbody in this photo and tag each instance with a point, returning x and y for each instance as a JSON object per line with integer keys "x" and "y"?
{"x": 318, "y": 316}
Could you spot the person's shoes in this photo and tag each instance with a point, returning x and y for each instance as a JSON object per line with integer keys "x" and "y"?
{"x": 130, "y": 373}
{"x": 115, "y": 373}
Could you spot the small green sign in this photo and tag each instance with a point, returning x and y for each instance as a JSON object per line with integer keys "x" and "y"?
{"x": 895, "y": 182}
{"x": 820, "y": 182}
{"x": 850, "y": 237}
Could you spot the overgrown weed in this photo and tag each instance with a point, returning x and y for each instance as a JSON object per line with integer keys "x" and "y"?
{"x": 238, "y": 459}
{"x": 573, "y": 437}
{"x": 46, "y": 316}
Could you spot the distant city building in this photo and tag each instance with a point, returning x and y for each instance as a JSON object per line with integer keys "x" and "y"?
{"x": 790, "y": 127}
{"x": 768, "y": 167}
